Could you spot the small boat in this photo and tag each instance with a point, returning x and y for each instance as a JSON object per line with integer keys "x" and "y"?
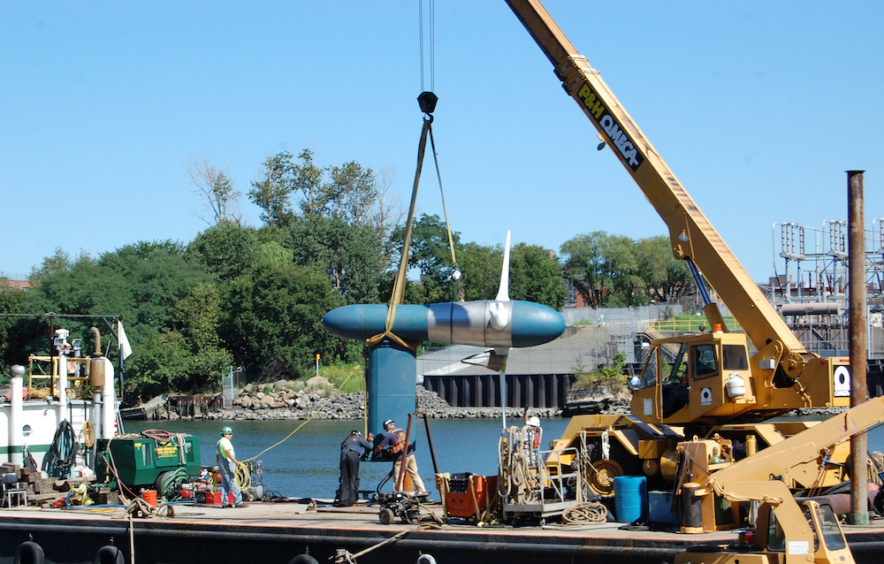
{"x": 57, "y": 401}
{"x": 146, "y": 410}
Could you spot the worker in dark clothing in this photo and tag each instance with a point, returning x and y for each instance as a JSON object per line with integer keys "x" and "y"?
{"x": 352, "y": 449}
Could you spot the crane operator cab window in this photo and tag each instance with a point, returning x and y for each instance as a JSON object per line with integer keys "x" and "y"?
{"x": 832, "y": 535}
{"x": 703, "y": 361}
{"x": 675, "y": 388}
{"x": 649, "y": 374}
{"x": 776, "y": 537}
{"x": 735, "y": 357}
{"x": 821, "y": 513}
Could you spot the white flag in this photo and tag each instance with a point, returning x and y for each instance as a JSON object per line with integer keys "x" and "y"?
{"x": 125, "y": 347}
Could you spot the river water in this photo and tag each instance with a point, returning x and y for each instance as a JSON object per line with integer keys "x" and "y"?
{"x": 306, "y": 463}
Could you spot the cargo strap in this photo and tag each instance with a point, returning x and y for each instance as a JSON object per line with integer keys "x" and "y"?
{"x": 427, "y": 101}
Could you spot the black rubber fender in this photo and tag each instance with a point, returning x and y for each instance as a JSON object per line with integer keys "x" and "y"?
{"x": 109, "y": 554}
{"x": 704, "y": 548}
{"x": 29, "y": 552}
{"x": 303, "y": 559}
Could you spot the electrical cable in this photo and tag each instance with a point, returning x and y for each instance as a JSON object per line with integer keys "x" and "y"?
{"x": 60, "y": 458}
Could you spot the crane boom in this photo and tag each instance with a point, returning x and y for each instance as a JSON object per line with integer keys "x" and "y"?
{"x": 692, "y": 236}
{"x": 803, "y": 448}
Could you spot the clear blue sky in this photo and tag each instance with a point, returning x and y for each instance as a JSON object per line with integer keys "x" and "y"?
{"x": 758, "y": 108}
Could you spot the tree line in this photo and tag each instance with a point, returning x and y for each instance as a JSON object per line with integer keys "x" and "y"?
{"x": 254, "y": 296}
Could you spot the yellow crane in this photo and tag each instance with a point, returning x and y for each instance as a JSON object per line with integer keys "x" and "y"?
{"x": 690, "y": 384}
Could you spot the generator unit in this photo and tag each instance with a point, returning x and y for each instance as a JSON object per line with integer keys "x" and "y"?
{"x": 143, "y": 460}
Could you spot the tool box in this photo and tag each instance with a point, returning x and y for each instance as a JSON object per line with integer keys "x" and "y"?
{"x": 459, "y": 500}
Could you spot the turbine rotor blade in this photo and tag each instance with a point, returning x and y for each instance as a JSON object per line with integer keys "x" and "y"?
{"x": 503, "y": 293}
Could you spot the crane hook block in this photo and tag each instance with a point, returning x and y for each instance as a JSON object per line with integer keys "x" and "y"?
{"x": 427, "y": 102}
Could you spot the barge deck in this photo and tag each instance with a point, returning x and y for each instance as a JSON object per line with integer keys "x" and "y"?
{"x": 282, "y": 532}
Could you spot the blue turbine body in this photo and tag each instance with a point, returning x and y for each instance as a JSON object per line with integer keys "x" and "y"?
{"x": 463, "y": 323}
{"x": 390, "y": 372}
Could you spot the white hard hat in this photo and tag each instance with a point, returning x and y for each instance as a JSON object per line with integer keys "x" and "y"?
{"x": 534, "y": 421}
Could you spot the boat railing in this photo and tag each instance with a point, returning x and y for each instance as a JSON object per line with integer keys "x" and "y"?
{"x": 42, "y": 377}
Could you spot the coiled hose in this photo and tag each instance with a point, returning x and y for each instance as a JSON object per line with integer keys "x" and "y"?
{"x": 60, "y": 458}
{"x": 517, "y": 481}
{"x": 168, "y": 484}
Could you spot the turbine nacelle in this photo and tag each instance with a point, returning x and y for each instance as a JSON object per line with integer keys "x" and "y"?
{"x": 463, "y": 323}
{"x": 500, "y": 323}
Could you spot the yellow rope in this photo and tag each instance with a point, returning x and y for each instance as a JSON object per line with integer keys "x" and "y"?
{"x": 298, "y": 428}
{"x": 242, "y": 477}
{"x": 400, "y": 281}
{"x": 399, "y": 284}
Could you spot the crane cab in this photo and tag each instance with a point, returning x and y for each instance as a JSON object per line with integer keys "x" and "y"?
{"x": 811, "y": 535}
{"x": 689, "y": 379}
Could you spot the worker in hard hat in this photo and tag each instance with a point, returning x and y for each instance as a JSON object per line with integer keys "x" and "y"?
{"x": 383, "y": 441}
{"x": 352, "y": 449}
{"x": 532, "y": 433}
{"x": 227, "y": 463}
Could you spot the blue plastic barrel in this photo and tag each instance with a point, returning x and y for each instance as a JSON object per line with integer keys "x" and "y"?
{"x": 631, "y": 498}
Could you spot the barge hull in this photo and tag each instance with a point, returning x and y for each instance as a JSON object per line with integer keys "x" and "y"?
{"x": 280, "y": 532}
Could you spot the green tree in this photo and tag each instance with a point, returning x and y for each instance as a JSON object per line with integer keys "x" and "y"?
{"x": 481, "y": 266}
{"x": 351, "y": 193}
{"x": 308, "y": 183}
{"x": 613, "y": 270}
{"x": 226, "y": 250}
{"x": 144, "y": 283}
{"x": 621, "y": 267}
{"x": 79, "y": 287}
{"x": 536, "y": 276}
{"x": 347, "y": 192}
{"x": 275, "y": 327}
{"x": 665, "y": 277}
{"x": 155, "y": 277}
{"x": 351, "y": 256}
{"x": 431, "y": 255}
{"x": 583, "y": 265}
{"x": 602, "y": 268}
{"x": 11, "y": 300}
{"x": 58, "y": 262}
{"x": 199, "y": 318}
{"x": 159, "y": 364}
{"x": 271, "y": 192}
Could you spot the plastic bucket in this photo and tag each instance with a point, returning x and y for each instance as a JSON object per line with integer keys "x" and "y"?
{"x": 150, "y": 496}
{"x": 660, "y": 508}
{"x": 631, "y": 498}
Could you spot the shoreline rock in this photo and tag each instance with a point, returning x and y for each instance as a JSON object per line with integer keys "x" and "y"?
{"x": 256, "y": 405}
{"x": 296, "y": 400}
{"x": 290, "y": 403}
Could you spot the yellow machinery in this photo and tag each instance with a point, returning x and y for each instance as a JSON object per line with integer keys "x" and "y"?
{"x": 711, "y": 382}
{"x": 43, "y": 375}
{"x": 787, "y": 530}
